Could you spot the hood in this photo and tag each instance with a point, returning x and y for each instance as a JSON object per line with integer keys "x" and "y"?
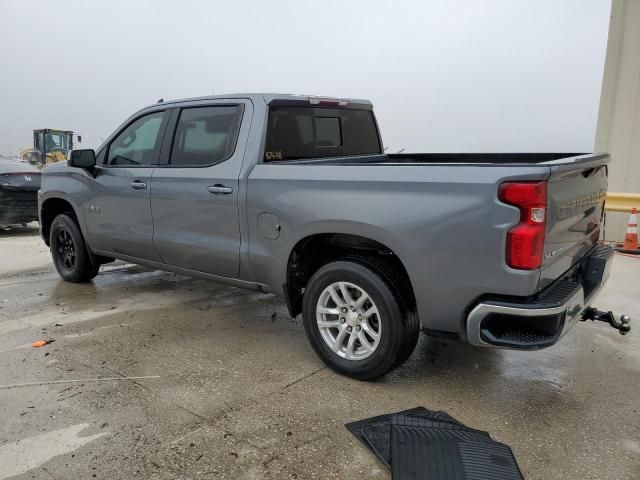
{"x": 16, "y": 166}
{"x": 19, "y": 176}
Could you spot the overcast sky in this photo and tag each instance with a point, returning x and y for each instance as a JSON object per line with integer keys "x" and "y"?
{"x": 464, "y": 75}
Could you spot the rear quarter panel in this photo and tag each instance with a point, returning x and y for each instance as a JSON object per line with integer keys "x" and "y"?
{"x": 444, "y": 222}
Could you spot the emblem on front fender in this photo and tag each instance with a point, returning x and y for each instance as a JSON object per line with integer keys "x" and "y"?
{"x": 93, "y": 209}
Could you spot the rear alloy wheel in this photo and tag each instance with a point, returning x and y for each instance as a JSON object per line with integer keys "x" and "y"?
{"x": 354, "y": 321}
{"x": 69, "y": 251}
{"x": 349, "y": 321}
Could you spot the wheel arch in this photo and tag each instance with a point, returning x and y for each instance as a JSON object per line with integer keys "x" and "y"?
{"x": 315, "y": 250}
{"x": 50, "y": 208}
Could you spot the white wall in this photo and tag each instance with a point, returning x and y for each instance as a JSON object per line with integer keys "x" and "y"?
{"x": 618, "y": 130}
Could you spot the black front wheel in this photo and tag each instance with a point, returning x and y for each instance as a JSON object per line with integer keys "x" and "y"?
{"x": 69, "y": 251}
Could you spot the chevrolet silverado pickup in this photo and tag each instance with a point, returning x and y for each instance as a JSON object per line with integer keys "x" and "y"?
{"x": 294, "y": 195}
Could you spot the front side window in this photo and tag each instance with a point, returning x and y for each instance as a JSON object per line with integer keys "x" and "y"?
{"x": 137, "y": 144}
{"x": 205, "y": 135}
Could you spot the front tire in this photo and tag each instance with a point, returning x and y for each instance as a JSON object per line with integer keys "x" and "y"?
{"x": 354, "y": 321}
{"x": 69, "y": 251}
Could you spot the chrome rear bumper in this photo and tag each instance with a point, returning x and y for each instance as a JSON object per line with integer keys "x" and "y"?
{"x": 540, "y": 321}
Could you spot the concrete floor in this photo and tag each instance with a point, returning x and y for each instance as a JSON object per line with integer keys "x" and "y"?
{"x": 154, "y": 375}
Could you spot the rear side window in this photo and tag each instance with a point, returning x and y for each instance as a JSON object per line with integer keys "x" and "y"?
{"x": 205, "y": 135}
{"x": 314, "y": 132}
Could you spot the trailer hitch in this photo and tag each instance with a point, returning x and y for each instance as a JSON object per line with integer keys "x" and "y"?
{"x": 622, "y": 326}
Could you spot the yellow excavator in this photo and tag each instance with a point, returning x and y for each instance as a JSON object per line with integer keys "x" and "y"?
{"x": 49, "y": 146}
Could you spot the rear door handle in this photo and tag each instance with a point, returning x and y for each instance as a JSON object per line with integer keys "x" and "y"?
{"x": 138, "y": 185}
{"x": 219, "y": 189}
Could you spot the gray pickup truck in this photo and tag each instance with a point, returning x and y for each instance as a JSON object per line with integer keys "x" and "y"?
{"x": 294, "y": 195}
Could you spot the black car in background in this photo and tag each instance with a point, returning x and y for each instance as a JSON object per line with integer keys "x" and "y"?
{"x": 19, "y": 184}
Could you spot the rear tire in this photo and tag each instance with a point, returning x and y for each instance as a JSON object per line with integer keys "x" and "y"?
{"x": 332, "y": 317}
{"x": 69, "y": 251}
{"x": 401, "y": 289}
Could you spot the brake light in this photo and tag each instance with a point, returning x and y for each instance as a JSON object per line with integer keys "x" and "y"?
{"x": 324, "y": 102}
{"x": 525, "y": 241}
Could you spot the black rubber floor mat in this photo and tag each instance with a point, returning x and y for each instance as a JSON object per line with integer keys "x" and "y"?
{"x": 422, "y": 453}
{"x": 431, "y": 419}
{"x": 381, "y": 421}
{"x": 378, "y": 434}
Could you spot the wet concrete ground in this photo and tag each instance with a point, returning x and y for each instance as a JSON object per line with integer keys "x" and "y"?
{"x": 154, "y": 375}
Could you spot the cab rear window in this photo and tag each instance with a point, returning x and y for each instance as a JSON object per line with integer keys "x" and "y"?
{"x": 295, "y": 133}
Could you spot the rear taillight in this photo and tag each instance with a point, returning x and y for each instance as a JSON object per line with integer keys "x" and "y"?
{"x": 525, "y": 241}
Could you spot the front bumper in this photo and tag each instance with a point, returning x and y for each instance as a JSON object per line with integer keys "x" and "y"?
{"x": 540, "y": 321}
{"x": 18, "y": 206}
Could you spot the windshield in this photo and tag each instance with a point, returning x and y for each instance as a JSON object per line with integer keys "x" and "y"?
{"x": 316, "y": 132}
{"x": 56, "y": 141}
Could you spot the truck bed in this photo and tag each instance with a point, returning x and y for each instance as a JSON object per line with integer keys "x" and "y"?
{"x": 447, "y": 159}
{"x": 440, "y": 212}
{"x": 478, "y": 157}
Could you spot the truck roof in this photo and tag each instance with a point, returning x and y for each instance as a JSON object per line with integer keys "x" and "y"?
{"x": 267, "y": 98}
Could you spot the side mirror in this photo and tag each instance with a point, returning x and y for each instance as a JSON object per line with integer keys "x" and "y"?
{"x": 79, "y": 138}
{"x": 82, "y": 158}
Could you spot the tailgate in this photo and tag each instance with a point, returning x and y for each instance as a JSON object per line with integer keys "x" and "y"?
{"x": 576, "y": 191}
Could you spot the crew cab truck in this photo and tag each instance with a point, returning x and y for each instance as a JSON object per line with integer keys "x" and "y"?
{"x": 294, "y": 195}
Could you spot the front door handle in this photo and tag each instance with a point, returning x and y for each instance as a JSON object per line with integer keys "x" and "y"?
{"x": 219, "y": 189}
{"x": 138, "y": 185}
